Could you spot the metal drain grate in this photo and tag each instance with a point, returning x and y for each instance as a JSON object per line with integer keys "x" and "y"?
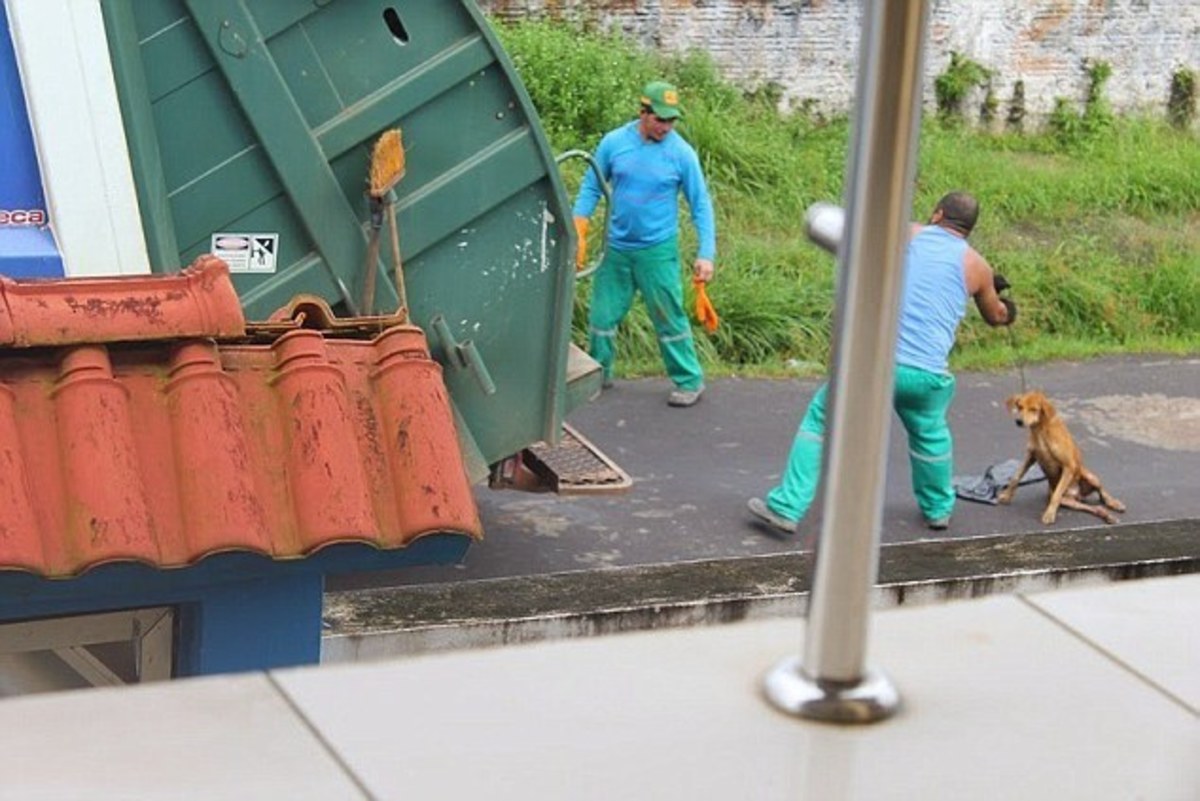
{"x": 576, "y": 466}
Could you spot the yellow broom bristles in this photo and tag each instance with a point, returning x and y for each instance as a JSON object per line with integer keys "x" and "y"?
{"x": 387, "y": 163}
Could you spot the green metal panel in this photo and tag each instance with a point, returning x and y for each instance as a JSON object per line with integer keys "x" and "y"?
{"x": 142, "y": 137}
{"x": 259, "y": 117}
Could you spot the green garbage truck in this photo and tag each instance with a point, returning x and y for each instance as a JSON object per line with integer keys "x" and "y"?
{"x": 250, "y": 129}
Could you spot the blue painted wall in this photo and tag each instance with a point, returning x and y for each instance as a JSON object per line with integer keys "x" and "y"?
{"x": 27, "y": 249}
{"x": 235, "y": 611}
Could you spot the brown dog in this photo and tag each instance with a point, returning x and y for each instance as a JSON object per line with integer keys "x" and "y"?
{"x": 1053, "y": 448}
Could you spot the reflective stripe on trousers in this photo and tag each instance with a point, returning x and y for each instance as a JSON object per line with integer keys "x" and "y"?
{"x": 921, "y": 399}
{"x": 655, "y": 272}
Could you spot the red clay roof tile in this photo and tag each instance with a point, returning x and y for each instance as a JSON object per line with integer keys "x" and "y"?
{"x": 167, "y": 450}
{"x": 199, "y": 301}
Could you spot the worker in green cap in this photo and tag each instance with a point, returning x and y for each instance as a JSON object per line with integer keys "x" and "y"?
{"x": 647, "y": 165}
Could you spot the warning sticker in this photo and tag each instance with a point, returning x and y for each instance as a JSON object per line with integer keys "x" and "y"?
{"x": 247, "y": 253}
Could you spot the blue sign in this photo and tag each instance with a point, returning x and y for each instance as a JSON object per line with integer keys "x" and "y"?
{"x": 27, "y": 247}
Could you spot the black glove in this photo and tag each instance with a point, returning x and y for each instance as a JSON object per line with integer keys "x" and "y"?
{"x": 1000, "y": 282}
{"x": 1011, "y": 305}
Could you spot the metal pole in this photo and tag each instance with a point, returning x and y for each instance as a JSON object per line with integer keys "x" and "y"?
{"x": 832, "y": 683}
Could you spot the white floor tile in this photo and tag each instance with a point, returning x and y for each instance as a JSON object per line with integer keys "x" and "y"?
{"x": 1001, "y": 703}
{"x": 1153, "y": 626}
{"x": 204, "y": 739}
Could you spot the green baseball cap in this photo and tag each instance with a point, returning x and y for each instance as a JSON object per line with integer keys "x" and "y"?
{"x": 663, "y": 100}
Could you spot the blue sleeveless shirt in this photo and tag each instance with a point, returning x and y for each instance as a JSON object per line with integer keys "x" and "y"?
{"x": 934, "y": 299}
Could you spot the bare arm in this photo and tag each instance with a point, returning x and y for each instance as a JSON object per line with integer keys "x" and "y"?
{"x": 980, "y": 284}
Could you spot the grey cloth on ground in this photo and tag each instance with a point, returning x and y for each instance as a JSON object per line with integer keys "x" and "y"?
{"x": 986, "y": 487}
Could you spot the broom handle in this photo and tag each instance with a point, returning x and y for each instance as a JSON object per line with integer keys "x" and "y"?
{"x": 401, "y": 295}
{"x": 368, "y": 295}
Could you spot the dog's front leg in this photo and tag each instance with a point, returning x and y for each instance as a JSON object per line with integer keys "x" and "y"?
{"x": 1064, "y": 482}
{"x": 1008, "y": 492}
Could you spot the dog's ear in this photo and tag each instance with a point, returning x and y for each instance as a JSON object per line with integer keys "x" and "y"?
{"x": 1010, "y": 403}
{"x": 1048, "y": 409}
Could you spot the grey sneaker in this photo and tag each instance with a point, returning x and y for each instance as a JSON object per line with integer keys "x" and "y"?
{"x": 758, "y": 507}
{"x": 938, "y": 523}
{"x": 607, "y": 383}
{"x": 685, "y": 397}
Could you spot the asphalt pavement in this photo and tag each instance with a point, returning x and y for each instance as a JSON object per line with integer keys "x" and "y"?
{"x": 1137, "y": 419}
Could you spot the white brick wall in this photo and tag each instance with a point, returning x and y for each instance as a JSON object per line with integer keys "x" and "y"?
{"x": 810, "y": 47}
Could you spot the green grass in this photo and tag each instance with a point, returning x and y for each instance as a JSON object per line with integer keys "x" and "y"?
{"x": 1096, "y": 226}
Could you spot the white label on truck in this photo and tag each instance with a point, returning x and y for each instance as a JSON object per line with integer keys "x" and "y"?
{"x": 247, "y": 253}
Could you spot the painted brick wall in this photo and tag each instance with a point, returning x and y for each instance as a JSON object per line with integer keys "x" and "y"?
{"x": 809, "y": 47}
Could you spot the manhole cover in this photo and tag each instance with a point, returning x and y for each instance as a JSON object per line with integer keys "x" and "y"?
{"x": 577, "y": 466}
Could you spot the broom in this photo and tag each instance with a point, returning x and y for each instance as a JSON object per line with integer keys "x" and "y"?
{"x": 387, "y": 168}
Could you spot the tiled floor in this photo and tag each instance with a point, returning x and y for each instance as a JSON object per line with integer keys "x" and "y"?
{"x": 1148, "y": 626}
{"x": 232, "y": 737}
{"x": 1086, "y": 693}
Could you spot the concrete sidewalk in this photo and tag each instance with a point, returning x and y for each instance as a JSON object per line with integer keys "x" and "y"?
{"x": 1136, "y": 418}
{"x": 680, "y": 549}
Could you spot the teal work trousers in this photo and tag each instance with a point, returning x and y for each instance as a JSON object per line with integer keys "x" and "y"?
{"x": 654, "y": 272}
{"x": 921, "y": 399}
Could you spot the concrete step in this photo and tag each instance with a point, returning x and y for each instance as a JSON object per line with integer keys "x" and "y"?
{"x": 423, "y": 618}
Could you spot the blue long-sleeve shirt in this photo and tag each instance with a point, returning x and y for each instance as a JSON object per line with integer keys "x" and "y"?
{"x": 646, "y": 179}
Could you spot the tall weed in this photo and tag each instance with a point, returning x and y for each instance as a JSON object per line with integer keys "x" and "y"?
{"x": 1099, "y": 230}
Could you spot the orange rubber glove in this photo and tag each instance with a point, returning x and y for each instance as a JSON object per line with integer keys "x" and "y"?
{"x": 581, "y": 232}
{"x": 706, "y": 315}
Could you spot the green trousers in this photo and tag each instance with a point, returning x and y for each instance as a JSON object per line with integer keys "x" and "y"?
{"x": 654, "y": 272}
{"x": 921, "y": 399}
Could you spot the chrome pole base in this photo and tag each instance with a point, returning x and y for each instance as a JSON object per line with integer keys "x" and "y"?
{"x": 789, "y": 688}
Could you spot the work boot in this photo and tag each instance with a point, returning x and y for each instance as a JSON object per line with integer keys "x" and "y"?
{"x": 758, "y": 507}
{"x": 685, "y": 397}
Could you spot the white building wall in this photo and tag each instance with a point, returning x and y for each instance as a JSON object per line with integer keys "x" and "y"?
{"x": 810, "y": 47}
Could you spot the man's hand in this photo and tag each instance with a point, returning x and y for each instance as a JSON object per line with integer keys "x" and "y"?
{"x": 1010, "y": 306}
{"x": 581, "y": 232}
{"x": 702, "y": 270}
{"x": 1000, "y": 283}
